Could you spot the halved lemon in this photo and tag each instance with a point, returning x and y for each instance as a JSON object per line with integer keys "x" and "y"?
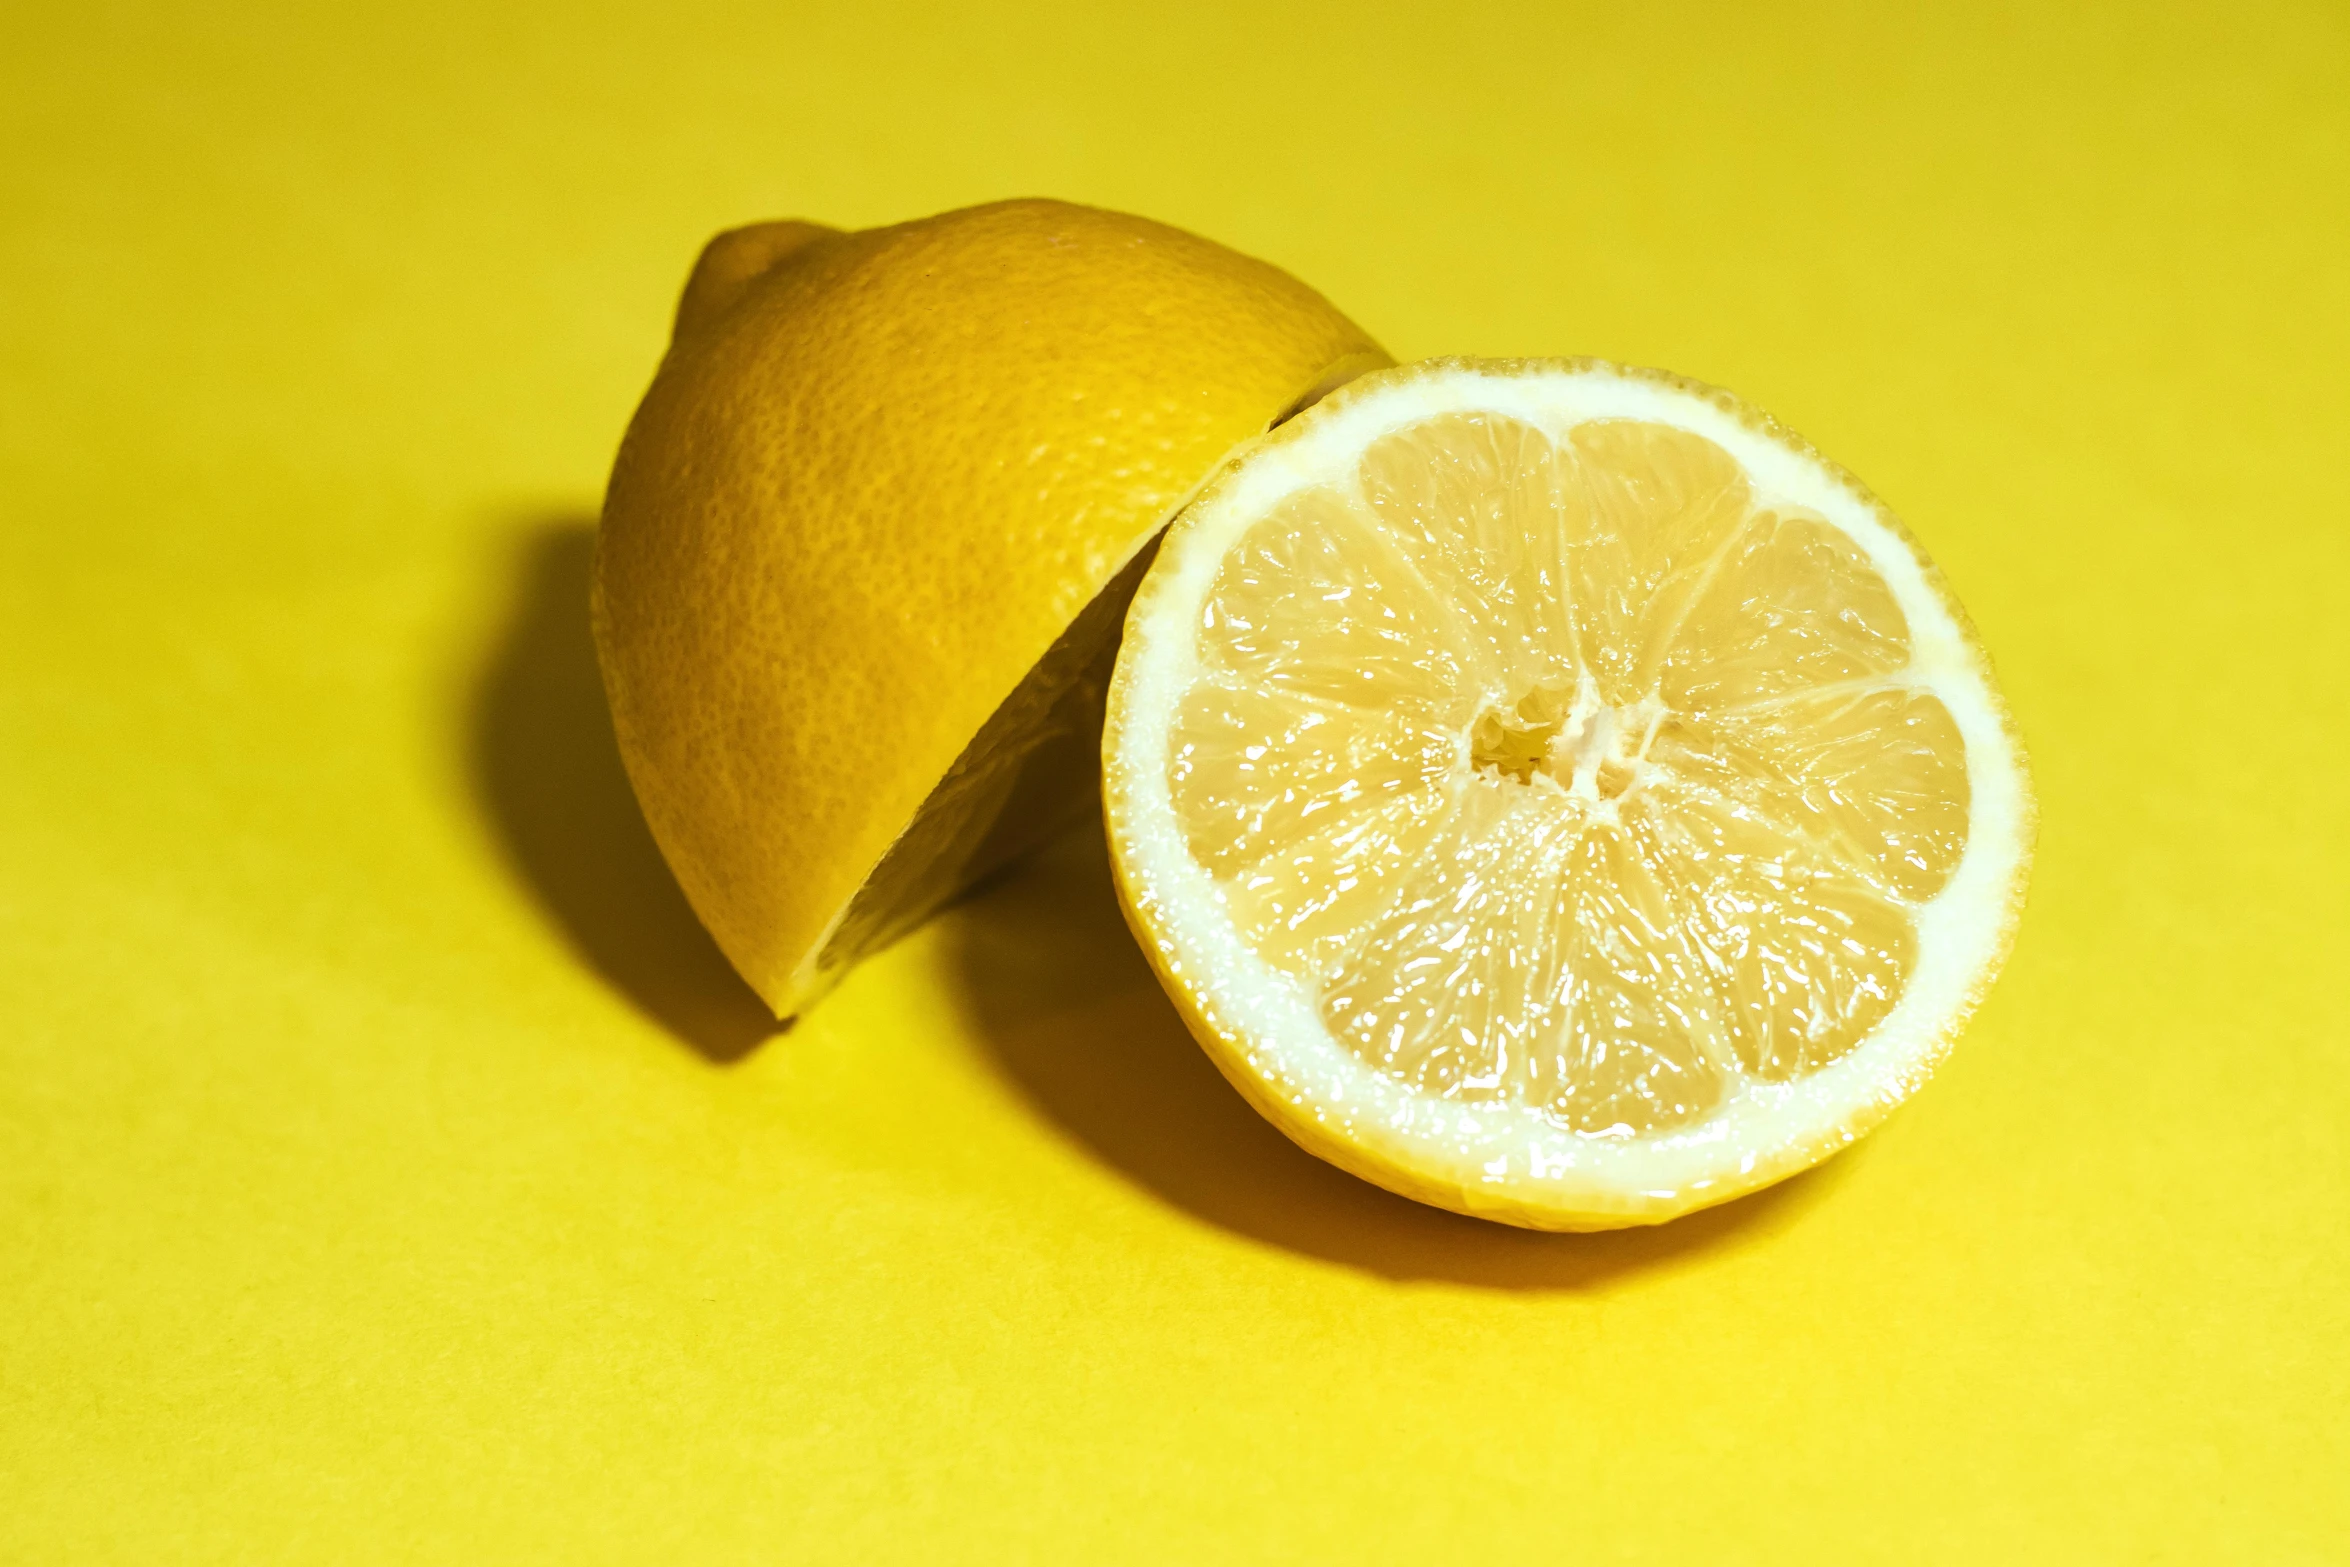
{"x": 1555, "y": 792}
{"x": 870, "y": 533}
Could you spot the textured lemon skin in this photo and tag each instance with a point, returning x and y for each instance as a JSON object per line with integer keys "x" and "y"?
{"x": 1442, "y": 1177}
{"x": 876, "y": 475}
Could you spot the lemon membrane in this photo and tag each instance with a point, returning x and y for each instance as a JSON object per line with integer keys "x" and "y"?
{"x": 1555, "y": 792}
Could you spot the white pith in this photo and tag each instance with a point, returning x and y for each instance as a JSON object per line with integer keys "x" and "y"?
{"x": 1511, "y": 1157}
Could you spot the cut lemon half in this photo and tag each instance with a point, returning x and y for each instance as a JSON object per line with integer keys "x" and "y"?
{"x": 1554, "y": 792}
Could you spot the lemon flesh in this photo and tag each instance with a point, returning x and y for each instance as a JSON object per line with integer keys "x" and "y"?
{"x": 1554, "y": 792}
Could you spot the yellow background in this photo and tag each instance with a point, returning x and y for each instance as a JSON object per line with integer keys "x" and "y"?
{"x": 389, "y": 1169}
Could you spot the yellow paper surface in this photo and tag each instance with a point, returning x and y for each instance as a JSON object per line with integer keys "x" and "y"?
{"x": 390, "y": 1169}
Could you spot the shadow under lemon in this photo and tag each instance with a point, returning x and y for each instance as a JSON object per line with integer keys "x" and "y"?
{"x": 1071, "y": 1009}
{"x": 1053, "y": 984}
{"x": 548, "y": 776}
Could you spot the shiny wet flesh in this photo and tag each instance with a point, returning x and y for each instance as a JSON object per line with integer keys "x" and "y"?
{"x": 1566, "y": 774}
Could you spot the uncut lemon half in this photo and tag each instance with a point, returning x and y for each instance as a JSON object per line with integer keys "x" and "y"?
{"x": 1554, "y": 792}
{"x": 870, "y": 532}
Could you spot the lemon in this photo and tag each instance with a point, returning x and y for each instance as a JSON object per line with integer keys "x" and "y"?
{"x": 1554, "y": 792}
{"x": 869, "y": 534}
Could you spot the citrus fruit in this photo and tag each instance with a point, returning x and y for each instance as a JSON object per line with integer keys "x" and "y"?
{"x": 1554, "y": 792}
{"x": 870, "y": 532}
